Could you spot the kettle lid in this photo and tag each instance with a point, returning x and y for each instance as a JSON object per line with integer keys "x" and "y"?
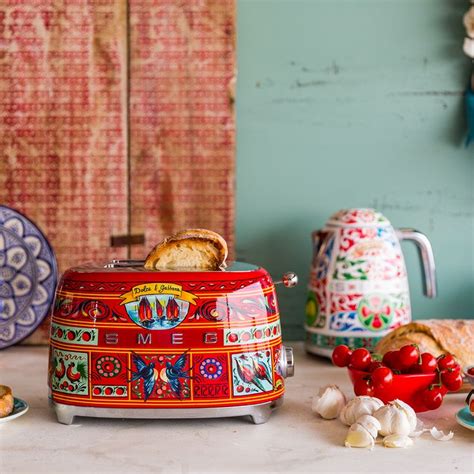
{"x": 365, "y": 217}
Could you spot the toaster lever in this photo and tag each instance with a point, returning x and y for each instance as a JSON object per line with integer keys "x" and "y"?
{"x": 289, "y": 279}
{"x": 124, "y": 263}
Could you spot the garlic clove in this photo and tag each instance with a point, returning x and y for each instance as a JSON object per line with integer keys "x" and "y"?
{"x": 409, "y": 412}
{"x": 370, "y": 423}
{"x": 329, "y": 402}
{"x": 358, "y": 437}
{"x": 357, "y": 407}
{"x": 396, "y": 418}
{"x": 397, "y": 441}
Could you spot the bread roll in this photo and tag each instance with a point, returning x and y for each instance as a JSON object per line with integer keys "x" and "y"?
{"x": 437, "y": 336}
{"x": 191, "y": 249}
{"x": 6, "y": 401}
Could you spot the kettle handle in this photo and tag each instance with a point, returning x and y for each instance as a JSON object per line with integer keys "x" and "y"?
{"x": 320, "y": 240}
{"x": 425, "y": 252}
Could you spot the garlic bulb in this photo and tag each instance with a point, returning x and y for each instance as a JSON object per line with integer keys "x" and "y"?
{"x": 370, "y": 423}
{"x": 357, "y": 407}
{"x": 396, "y": 418}
{"x": 397, "y": 441}
{"x": 359, "y": 437}
{"x": 328, "y": 402}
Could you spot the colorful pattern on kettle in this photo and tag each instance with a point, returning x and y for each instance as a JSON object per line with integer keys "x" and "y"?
{"x": 181, "y": 344}
{"x": 358, "y": 285}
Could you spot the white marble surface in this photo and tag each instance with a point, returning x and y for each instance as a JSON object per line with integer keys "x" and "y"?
{"x": 294, "y": 440}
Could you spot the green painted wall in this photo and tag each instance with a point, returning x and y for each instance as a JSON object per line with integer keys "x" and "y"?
{"x": 354, "y": 103}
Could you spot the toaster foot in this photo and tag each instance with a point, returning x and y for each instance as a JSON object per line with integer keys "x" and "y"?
{"x": 258, "y": 413}
{"x": 64, "y": 413}
{"x": 261, "y": 414}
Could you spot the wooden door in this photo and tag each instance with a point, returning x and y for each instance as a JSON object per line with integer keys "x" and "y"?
{"x": 117, "y": 120}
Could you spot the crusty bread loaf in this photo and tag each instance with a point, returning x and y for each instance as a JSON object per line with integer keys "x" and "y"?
{"x": 191, "y": 249}
{"x": 437, "y": 336}
{"x": 6, "y": 401}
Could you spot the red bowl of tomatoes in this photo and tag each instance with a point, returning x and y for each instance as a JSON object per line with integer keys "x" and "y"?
{"x": 419, "y": 379}
{"x": 413, "y": 389}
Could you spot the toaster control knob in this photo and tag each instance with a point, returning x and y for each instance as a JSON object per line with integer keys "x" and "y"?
{"x": 287, "y": 362}
{"x": 289, "y": 279}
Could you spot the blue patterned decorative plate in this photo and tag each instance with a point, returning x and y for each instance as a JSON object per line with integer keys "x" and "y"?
{"x": 20, "y": 407}
{"x": 28, "y": 276}
{"x": 464, "y": 418}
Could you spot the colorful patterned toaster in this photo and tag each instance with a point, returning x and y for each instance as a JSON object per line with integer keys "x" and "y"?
{"x": 131, "y": 343}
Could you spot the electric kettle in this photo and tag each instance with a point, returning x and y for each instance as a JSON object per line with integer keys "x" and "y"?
{"x": 358, "y": 287}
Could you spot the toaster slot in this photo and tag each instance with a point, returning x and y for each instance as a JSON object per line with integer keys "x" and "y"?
{"x": 124, "y": 263}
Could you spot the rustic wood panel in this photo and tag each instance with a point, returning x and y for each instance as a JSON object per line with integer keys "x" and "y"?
{"x": 181, "y": 117}
{"x": 63, "y": 122}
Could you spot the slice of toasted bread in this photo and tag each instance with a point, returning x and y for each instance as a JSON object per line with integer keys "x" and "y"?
{"x": 190, "y": 249}
{"x": 6, "y": 401}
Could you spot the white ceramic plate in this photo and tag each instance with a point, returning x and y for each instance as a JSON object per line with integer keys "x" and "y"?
{"x": 20, "y": 407}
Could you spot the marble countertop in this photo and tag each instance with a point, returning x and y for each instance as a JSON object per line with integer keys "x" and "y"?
{"x": 294, "y": 440}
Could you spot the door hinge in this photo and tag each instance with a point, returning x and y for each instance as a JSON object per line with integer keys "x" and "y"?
{"x": 124, "y": 240}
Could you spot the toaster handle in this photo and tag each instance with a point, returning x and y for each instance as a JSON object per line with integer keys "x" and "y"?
{"x": 289, "y": 279}
{"x": 124, "y": 263}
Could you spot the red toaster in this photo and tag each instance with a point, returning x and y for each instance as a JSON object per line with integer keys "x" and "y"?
{"x": 127, "y": 342}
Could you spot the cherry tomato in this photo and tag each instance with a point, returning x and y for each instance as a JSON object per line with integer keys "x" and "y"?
{"x": 388, "y": 359}
{"x": 382, "y": 377}
{"x": 408, "y": 356}
{"x": 446, "y": 361}
{"x": 428, "y": 363}
{"x": 375, "y": 364}
{"x": 470, "y": 371}
{"x": 341, "y": 356}
{"x": 360, "y": 359}
{"x": 456, "y": 368}
{"x": 433, "y": 397}
{"x": 397, "y": 365}
{"x": 393, "y": 361}
{"x": 452, "y": 379}
{"x": 364, "y": 387}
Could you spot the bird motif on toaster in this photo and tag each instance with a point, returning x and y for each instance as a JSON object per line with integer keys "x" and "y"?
{"x": 172, "y": 374}
{"x": 145, "y": 371}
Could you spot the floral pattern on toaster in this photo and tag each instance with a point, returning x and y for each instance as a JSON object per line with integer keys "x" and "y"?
{"x": 252, "y": 373}
{"x": 210, "y": 376}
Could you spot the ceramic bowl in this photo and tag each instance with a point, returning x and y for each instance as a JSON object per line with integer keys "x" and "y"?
{"x": 406, "y": 387}
{"x": 469, "y": 373}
